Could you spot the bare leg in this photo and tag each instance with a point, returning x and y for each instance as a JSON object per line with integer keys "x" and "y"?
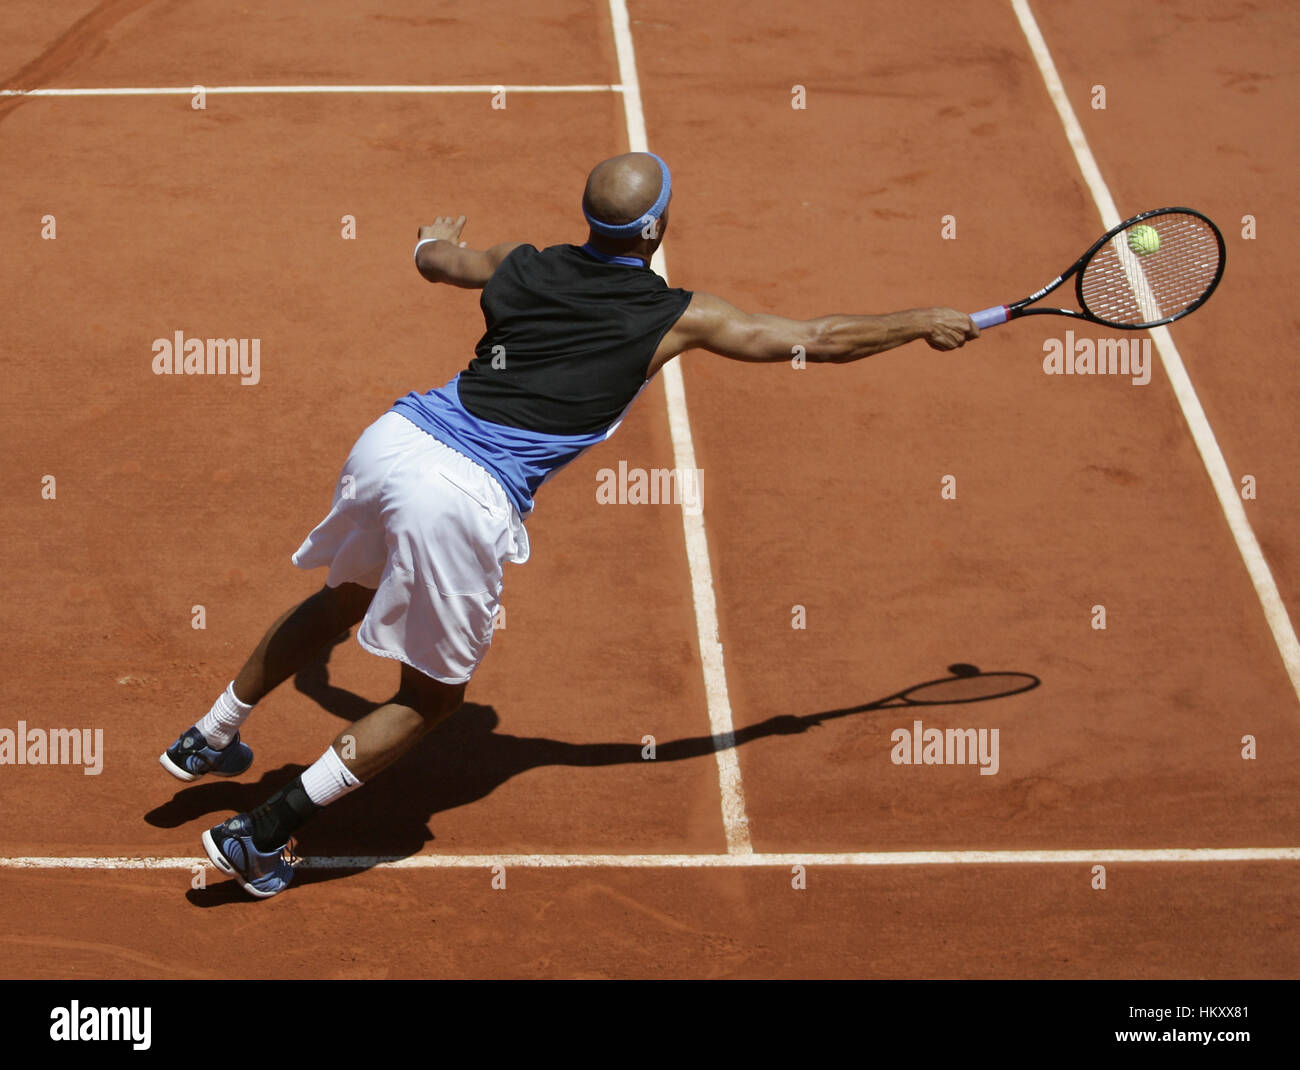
{"x": 298, "y": 635}
{"x": 381, "y": 737}
{"x": 365, "y": 749}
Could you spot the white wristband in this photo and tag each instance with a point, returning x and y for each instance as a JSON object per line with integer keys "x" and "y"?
{"x": 423, "y": 241}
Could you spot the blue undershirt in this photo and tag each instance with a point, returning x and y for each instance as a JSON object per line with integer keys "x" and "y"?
{"x": 520, "y": 460}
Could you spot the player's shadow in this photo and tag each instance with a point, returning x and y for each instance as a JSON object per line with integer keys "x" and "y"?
{"x": 464, "y": 760}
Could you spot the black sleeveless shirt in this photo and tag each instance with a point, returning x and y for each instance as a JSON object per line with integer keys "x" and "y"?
{"x": 569, "y": 338}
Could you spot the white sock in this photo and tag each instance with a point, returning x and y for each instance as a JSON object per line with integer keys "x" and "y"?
{"x": 220, "y": 723}
{"x": 328, "y": 779}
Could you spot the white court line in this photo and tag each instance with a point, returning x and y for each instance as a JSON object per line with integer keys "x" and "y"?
{"x": 1135, "y": 274}
{"x": 1211, "y": 455}
{"x": 734, "y": 819}
{"x": 747, "y": 860}
{"x": 213, "y": 90}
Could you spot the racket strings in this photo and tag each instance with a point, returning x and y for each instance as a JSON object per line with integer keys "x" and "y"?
{"x": 1124, "y": 287}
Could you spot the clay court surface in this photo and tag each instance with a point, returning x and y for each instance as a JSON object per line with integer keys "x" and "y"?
{"x": 529, "y": 837}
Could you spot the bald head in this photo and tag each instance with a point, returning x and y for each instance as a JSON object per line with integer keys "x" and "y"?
{"x": 623, "y": 188}
{"x": 626, "y": 203}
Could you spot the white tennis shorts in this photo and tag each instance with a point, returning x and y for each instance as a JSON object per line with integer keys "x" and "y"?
{"x": 431, "y": 531}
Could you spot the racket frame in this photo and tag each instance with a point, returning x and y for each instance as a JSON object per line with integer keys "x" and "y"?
{"x": 1021, "y": 308}
{"x": 1026, "y": 682}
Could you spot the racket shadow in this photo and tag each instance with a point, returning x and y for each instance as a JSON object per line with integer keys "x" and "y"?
{"x": 965, "y": 685}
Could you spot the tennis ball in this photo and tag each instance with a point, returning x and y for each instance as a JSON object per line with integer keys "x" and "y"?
{"x": 1143, "y": 240}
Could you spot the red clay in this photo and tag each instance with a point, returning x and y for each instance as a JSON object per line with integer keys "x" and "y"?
{"x": 822, "y": 490}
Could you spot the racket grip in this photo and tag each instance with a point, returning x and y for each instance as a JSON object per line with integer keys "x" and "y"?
{"x": 991, "y": 317}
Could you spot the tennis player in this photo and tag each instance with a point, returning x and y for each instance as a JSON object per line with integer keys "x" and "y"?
{"x": 432, "y": 500}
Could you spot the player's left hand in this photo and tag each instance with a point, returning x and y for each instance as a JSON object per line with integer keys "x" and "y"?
{"x": 445, "y": 228}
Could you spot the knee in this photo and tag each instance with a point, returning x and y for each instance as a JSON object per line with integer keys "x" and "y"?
{"x": 348, "y": 602}
{"x": 433, "y": 700}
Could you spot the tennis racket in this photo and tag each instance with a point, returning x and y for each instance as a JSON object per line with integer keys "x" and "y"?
{"x": 1119, "y": 286}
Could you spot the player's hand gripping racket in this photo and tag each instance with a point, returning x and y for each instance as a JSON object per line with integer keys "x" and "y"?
{"x": 1151, "y": 269}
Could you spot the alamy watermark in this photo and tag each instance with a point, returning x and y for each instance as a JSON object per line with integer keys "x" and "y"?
{"x": 179, "y": 355}
{"x": 76, "y": 1022}
{"x": 952, "y": 746}
{"x": 55, "y": 746}
{"x": 652, "y": 486}
{"x": 1101, "y": 356}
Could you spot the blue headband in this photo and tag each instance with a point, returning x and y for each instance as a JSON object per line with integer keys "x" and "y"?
{"x": 632, "y": 229}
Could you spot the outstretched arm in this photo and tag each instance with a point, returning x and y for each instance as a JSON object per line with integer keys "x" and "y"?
{"x": 713, "y": 324}
{"x": 442, "y": 257}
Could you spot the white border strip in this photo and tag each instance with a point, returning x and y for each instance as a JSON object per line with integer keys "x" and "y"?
{"x": 711, "y": 861}
{"x": 1211, "y": 455}
{"x": 213, "y": 90}
{"x": 735, "y": 820}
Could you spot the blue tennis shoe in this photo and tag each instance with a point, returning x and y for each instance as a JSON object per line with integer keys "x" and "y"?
{"x": 190, "y": 757}
{"x": 260, "y": 873}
